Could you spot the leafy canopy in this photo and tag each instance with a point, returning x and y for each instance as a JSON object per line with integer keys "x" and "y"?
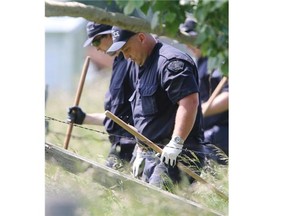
{"x": 211, "y": 17}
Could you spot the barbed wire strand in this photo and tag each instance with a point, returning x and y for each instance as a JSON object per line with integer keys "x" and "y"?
{"x": 49, "y": 118}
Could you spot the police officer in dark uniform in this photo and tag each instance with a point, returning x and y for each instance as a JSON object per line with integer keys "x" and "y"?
{"x": 215, "y": 125}
{"x": 215, "y": 121}
{"x": 165, "y": 105}
{"x": 116, "y": 99}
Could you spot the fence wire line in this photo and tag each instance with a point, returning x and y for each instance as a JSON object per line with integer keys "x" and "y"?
{"x": 116, "y": 135}
{"x": 76, "y": 125}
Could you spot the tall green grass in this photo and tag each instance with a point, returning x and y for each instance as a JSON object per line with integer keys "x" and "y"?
{"x": 93, "y": 144}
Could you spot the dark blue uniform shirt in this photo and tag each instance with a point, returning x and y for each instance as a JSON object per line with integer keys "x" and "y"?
{"x": 116, "y": 99}
{"x": 167, "y": 76}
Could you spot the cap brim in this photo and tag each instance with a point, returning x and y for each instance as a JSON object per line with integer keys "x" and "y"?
{"x": 115, "y": 47}
{"x": 189, "y": 33}
{"x": 89, "y": 40}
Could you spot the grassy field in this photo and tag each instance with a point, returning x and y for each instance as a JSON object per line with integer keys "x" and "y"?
{"x": 92, "y": 143}
{"x": 86, "y": 141}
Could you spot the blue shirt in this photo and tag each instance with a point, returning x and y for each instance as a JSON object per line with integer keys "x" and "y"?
{"x": 116, "y": 98}
{"x": 167, "y": 76}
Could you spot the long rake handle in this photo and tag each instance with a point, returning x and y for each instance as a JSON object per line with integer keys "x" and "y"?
{"x": 159, "y": 150}
{"x": 77, "y": 99}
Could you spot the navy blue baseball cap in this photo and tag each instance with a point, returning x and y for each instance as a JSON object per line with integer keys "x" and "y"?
{"x": 120, "y": 37}
{"x": 188, "y": 27}
{"x": 94, "y": 29}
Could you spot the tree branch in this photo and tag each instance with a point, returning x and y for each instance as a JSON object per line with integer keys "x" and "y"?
{"x": 76, "y": 9}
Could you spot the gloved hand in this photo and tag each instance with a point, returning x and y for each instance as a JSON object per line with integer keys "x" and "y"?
{"x": 137, "y": 162}
{"x": 139, "y": 154}
{"x": 76, "y": 115}
{"x": 170, "y": 153}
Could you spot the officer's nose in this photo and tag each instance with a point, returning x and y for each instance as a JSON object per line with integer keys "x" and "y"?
{"x": 100, "y": 50}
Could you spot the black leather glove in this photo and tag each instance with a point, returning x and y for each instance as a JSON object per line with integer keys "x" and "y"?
{"x": 76, "y": 115}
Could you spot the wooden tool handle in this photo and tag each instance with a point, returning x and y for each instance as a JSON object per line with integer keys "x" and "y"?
{"x": 133, "y": 132}
{"x": 159, "y": 150}
{"x": 77, "y": 99}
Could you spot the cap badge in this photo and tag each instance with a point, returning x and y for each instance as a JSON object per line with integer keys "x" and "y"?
{"x": 115, "y": 35}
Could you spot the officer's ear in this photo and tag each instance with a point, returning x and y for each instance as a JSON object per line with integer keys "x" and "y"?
{"x": 141, "y": 37}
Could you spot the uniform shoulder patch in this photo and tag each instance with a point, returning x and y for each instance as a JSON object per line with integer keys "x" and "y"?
{"x": 176, "y": 66}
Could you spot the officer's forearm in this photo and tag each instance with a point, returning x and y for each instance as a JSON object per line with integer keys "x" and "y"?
{"x": 186, "y": 115}
{"x": 94, "y": 119}
{"x": 219, "y": 104}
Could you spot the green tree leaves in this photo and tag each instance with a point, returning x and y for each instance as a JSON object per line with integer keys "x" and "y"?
{"x": 212, "y": 28}
{"x": 211, "y": 17}
{"x": 164, "y": 18}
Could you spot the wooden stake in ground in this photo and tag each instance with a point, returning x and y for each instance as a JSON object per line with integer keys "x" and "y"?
{"x": 159, "y": 150}
{"x": 77, "y": 99}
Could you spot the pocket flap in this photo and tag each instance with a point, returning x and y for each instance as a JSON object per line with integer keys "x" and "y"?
{"x": 148, "y": 90}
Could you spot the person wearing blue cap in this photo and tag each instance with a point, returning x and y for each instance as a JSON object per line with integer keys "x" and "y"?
{"x": 166, "y": 105}
{"x": 215, "y": 121}
{"x": 116, "y": 99}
